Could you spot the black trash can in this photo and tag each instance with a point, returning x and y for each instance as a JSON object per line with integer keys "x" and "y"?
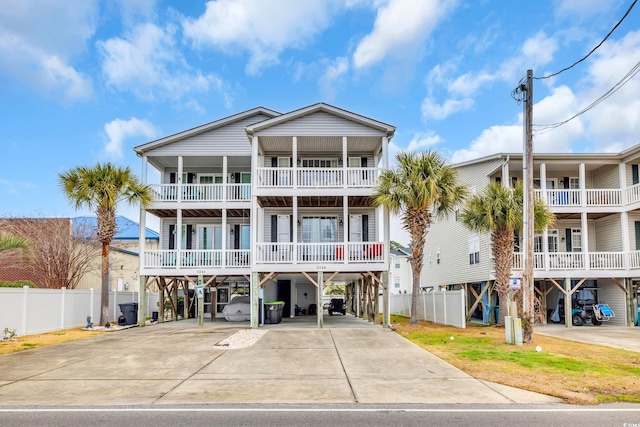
{"x": 273, "y": 312}
{"x": 130, "y": 311}
{"x": 154, "y": 316}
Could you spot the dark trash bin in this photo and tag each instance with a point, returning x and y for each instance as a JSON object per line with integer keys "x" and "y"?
{"x": 130, "y": 311}
{"x": 273, "y": 312}
{"x": 154, "y": 316}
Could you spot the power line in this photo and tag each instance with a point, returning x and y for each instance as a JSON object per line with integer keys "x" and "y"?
{"x": 592, "y": 50}
{"x": 624, "y": 80}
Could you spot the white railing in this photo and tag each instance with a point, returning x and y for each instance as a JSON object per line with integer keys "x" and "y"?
{"x": 275, "y": 177}
{"x": 165, "y": 192}
{"x": 606, "y": 260}
{"x": 604, "y": 197}
{"x": 633, "y": 193}
{"x": 565, "y": 197}
{"x": 580, "y": 260}
{"x": 318, "y": 177}
{"x": 363, "y": 177}
{"x": 274, "y": 253}
{"x": 634, "y": 259}
{"x": 196, "y": 258}
{"x": 313, "y": 253}
{"x": 201, "y": 192}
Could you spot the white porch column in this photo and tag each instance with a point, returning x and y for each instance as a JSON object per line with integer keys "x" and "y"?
{"x": 345, "y": 228}
{"x": 543, "y": 181}
{"x": 626, "y": 243}
{"x": 294, "y": 238}
{"x": 584, "y": 225}
{"x": 345, "y": 162}
{"x": 622, "y": 173}
{"x": 178, "y": 239}
{"x": 505, "y": 174}
{"x": 225, "y": 184}
{"x": 583, "y": 184}
{"x": 179, "y": 178}
{"x": 385, "y": 152}
{"x": 253, "y": 216}
{"x": 225, "y": 232}
{"x": 294, "y": 149}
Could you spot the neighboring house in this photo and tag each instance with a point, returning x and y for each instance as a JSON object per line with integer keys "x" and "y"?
{"x": 400, "y": 271}
{"x": 592, "y": 252}
{"x": 13, "y": 263}
{"x": 269, "y": 205}
{"x": 124, "y": 262}
{"x": 123, "y": 254}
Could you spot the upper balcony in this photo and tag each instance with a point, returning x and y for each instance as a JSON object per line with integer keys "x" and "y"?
{"x": 201, "y": 192}
{"x": 330, "y": 177}
{"x": 603, "y": 263}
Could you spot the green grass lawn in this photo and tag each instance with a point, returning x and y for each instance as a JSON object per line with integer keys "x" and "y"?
{"x": 577, "y": 372}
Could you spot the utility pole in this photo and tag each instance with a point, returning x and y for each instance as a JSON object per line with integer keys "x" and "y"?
{"x": 528, "y": 288}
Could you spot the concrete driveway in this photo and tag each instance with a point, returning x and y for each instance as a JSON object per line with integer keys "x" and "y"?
{"x": 624, "y": 337}
{"x": 179, "y": 363}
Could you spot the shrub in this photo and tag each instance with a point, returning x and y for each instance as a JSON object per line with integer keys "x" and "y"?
{"x": 17, "y": 284}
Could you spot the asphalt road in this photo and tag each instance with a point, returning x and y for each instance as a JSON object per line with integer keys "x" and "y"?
{"x": 326, "y": 415}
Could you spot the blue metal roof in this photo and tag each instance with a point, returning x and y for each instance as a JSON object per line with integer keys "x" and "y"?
{"x": 125, "y": 228}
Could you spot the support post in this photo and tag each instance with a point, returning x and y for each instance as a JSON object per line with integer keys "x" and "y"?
{"x": 528, "y": 234}
{"x": 255, "y": 280}
{"x": 568, "y": 316}
{"x": 320, "y": 291}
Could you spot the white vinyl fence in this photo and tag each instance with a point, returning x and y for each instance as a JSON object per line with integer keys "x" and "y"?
{"x": 444, "y": 307}
{"x": 31, "y": 311}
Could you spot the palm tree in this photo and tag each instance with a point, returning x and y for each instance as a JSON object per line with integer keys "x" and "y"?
{"x": 9, "y": 241}
{"x": 420, "y": 187}
{"x": 100, "y": 189}
{"x": 499, "y": 211}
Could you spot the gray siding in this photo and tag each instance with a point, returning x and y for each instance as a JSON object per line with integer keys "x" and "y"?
{"x": 451, "y": 238}
{"x": 266, "y": 225}
{"x": 606, "y": 176}
{"x": 608, "y": 234}
{"x": 320, "y": 124}
{"x": 612, "y": 295}
{"x": 227, "y": 140}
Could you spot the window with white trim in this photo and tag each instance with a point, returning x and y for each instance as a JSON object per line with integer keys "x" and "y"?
{"x": 438, "y": 256}
{"x": 396, "y": 282}
{"x": 576, "y": 240}
{"x": 474, "y": 249}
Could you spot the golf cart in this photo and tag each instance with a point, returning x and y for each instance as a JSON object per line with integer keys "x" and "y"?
{"x": 584, "y": 309}
{"x": 337, "y": 305}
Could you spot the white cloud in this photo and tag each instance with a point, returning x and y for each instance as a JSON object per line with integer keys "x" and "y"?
{"x": 400, "y": 29}
{"x": 118, "y": 130}
{"x": 579, "y": 10}
{"x": 493, "y": 140}
{"x": 332, "y": 77}
{"x": 39, "y": 39}
{"x": 431, "y": 110}
{"x": 148, "y": 63}
{"x": 264, "y": 28}
{"x": 423, "y": 141}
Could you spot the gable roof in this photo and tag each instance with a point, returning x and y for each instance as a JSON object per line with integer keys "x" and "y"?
{"x": 125, "y": 228}
{"x": 140, "y": 149}
{"x": 321, "y": 106}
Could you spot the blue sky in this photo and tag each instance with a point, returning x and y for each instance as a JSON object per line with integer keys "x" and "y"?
{"x": 84, "y": 81}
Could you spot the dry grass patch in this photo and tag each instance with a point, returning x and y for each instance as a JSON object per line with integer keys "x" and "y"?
{"x": 577, "y": 372}
{"x": 41, "y": 340}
